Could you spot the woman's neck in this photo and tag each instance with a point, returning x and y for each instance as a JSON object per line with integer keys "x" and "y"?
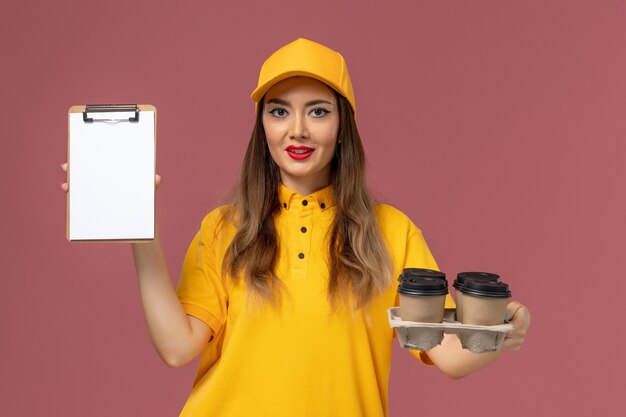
{"x": 305, "y": 186}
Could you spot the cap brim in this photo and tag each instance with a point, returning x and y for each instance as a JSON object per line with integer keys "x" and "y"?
{"x": 260, "y": 91}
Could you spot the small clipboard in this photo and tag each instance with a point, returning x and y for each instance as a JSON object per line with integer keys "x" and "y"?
{"x": 111, "y": 172}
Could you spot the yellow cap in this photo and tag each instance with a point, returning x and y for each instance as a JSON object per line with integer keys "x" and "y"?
{"x": 310, "y": 59}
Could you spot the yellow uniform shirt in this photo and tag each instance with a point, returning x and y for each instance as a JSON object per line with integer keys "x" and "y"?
{"x": 297, "y": 359}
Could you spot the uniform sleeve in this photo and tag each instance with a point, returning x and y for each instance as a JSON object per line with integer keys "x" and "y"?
{"x": 201, "y": 290}
{"x": 418, "y": 255}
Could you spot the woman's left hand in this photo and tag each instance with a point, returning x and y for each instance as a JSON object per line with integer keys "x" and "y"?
{"x": 519, "y": 316}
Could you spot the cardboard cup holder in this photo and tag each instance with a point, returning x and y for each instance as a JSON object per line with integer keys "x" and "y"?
{"x": 425, "y": 336}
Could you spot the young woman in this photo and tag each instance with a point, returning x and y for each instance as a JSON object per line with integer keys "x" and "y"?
{"x": 285, "y": 291}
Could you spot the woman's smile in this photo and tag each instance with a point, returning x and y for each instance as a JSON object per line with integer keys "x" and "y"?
{"x": 299, "y": 153}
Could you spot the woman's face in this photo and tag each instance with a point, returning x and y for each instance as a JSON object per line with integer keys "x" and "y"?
{"x": 301, "y": 121}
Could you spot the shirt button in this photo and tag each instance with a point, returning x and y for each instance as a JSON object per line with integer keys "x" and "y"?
{"x": 285, "y": 205}
{"x": 323, "y": 205}
{"x": 305, "y": 202}
{"x": 303, "y": 229}
{"x": 301, "y": 255}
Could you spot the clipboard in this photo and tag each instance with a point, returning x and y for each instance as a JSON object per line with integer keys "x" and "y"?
{"x": 111, "y": 170}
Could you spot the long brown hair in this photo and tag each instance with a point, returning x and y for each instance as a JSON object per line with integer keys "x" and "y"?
{"x": 358, "y": 260}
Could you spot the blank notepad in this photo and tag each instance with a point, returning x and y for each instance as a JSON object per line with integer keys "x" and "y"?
{"x": 111, "y": 176}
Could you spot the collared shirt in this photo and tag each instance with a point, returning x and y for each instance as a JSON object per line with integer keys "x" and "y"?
{"x": 298, "y": 358}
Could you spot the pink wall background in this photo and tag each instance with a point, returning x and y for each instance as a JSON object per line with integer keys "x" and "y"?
{"x": 497, "y": 126}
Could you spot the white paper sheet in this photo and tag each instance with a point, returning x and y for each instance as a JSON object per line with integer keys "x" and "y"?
{"x": 111, "y": 177}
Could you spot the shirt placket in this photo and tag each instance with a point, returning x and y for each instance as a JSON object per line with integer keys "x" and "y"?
{"x": 301, "y": 249}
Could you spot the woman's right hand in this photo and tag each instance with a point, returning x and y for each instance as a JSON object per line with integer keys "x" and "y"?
{"x": 65, "y": 187}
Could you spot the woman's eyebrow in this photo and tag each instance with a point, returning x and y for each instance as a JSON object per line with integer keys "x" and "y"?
{"x": 319, "y": 101}
{"x": 279, "y": 101}
{"x": 287, "y": 104}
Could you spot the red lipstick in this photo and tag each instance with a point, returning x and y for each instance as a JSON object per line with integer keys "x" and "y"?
{"x": 299, "y": 152}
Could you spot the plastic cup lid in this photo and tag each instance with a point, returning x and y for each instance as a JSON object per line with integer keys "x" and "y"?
{"x": 461, "y": 277}
{"x": 486, "y": 289}
{"x": 412, "y": 273}
{"x": 424, "y": 286}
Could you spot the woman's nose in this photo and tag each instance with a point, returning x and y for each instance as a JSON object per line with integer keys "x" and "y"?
{"x": 298, "y": 127}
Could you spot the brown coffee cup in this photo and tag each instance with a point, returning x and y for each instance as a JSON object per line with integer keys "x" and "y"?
{"x": 422, "y": 299}
{"x": 460, "y": 280}
{"x": 484, "y": 303}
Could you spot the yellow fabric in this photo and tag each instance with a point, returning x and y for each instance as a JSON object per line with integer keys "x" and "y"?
{"x": 310, "y": 59}
{"x": 296, "y": 359}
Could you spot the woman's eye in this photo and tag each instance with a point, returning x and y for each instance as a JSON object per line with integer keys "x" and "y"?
{"x": 278, "y": 112}
{"x": 319, "y": 112}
